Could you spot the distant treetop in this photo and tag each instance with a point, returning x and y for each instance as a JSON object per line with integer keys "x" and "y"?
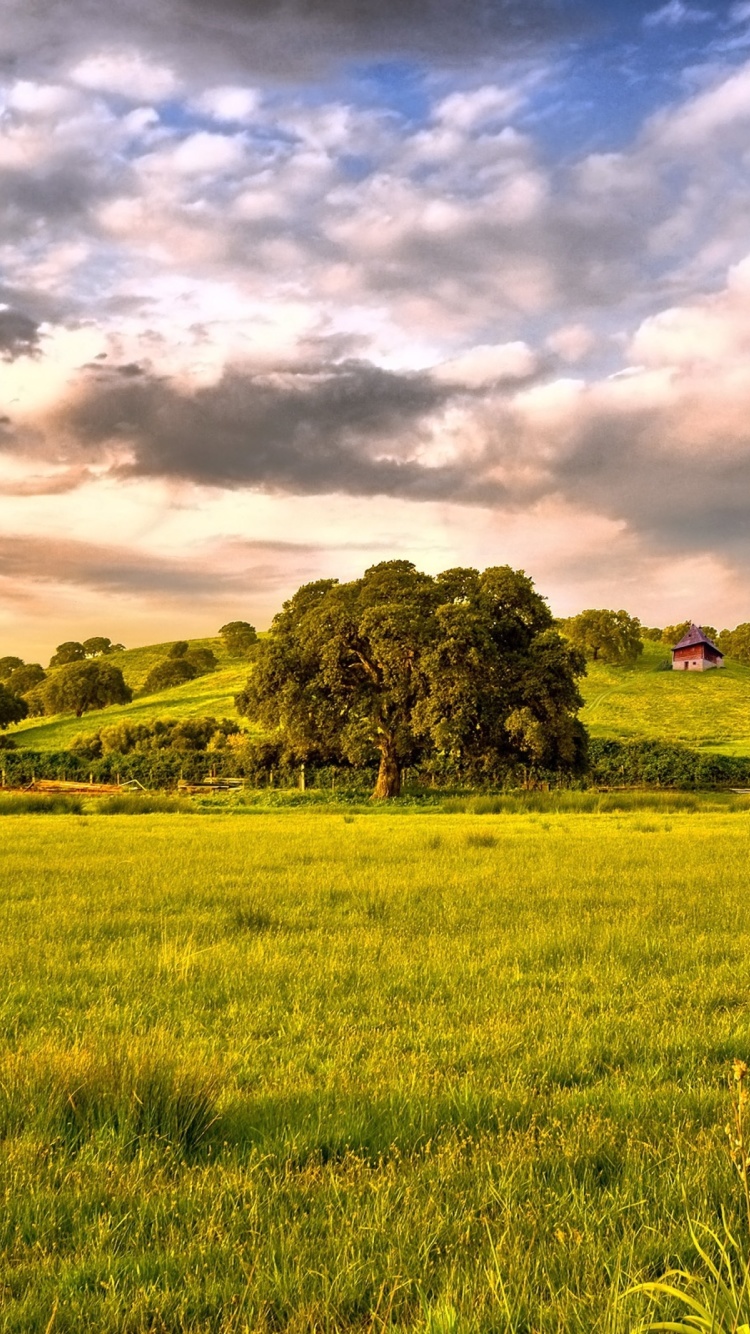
{"x": 613, "y": 637}
{"x": 70, "y": 651}
{"x": 99, "y": 645}
{"x": 8, "y": 665}
{"x": 238, "y": 637}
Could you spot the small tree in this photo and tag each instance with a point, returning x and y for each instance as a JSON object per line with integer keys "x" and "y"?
{"x": 12, "y": 709}
{"x": 238, "y": 637}
{"x": 179, "y": 649}
{"x": 23, "y": 679}
{"x": 70, "y": 651}
{"x": 613, "y": 637}
{"x": 8, "y": 665}
{"x": 97, "y": 646}
{"x": 202, "y": 659}
{"x": 171, "y": 672}
{"x": 79, "y": 687}
{"x": 736, "y": 643}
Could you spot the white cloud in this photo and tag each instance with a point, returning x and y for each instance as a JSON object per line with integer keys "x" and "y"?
{"x": 128, "y": 73}
{"x": 229, "y": 103}
{"x": 674, "y": 15}
{"x": 467, "y": 111}
{"x": 572, "y": 342}
{"x": 488, "y": 364}
{"x": 700, "y": 119}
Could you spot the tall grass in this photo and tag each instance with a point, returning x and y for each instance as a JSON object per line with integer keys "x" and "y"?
{"x": 588, "y": 803}
{"x": 305, "y": 1072}
{"x": 33, "y": 803}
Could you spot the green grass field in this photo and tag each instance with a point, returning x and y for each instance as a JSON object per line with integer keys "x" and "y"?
{"x": 211, "y": 694}
{"x": 709, "y": 710}
{"x": 329, "y": 1071}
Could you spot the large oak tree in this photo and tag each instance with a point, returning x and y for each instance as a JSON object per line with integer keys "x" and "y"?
{"x": 399, "y": 664}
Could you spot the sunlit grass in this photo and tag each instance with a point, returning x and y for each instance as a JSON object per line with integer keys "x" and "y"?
{"x": 212, "y": 694}
{"x": 707, "y": 710}
{"x": 338, "y": 1071}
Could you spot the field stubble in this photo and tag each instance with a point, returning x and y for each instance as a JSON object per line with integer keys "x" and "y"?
{"x": 315, "y": 1071}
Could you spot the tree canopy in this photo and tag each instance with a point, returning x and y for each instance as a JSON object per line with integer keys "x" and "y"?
{"x": 466, "y": 667}
{"x": 12, "y": 708}
{"x": 238, "y": 637}
{"x": 736, "y": 643}
{"x": 672, "y": 634}
{"x": 8, "y": 665}
{"x": 170, "y": 672}
{"x": 70, "y": 651}
{"x": 23, "y": 679}
{"x": 613, "y": 637}
{"x": 81, "y": 686}
{"x": 98, "y": 645}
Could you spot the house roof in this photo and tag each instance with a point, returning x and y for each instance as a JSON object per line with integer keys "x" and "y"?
{"x": 694, "y": 637}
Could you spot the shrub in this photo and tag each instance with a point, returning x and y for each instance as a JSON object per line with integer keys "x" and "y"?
{"x": 202, "y": 659}
{"x": 178, "y": 649}
{"x": 171, "y": 672}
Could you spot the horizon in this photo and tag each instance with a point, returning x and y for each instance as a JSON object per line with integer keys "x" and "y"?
{"x": 286, "y": 291}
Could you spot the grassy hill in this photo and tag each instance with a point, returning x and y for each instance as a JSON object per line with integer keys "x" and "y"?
{"x": 210, "y": 694}
{"x": 705, "y": 710}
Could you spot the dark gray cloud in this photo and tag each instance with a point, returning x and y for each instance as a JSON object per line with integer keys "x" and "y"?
{"x": 19, "y": 335}
{"x": 692, "y": 492}
{"x": 350, "y": 428}
{"x": 282, "y": 38}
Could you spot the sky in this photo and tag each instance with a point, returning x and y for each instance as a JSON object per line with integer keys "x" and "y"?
{"x": 288, "y": 287}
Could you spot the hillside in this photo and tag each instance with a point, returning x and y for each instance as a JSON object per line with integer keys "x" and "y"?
{"x": 210, "y": 694}
{"x": 707, "y": 710}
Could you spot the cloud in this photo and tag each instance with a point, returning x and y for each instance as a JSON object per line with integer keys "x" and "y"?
{"x": 292, "y": 38}
{"x": 352, "y": 427}
{"x": 127, "y": 73}
{"x": 19, "y": 334}
{"x": 210, "y": 570}
{"x": 674, "y": 15}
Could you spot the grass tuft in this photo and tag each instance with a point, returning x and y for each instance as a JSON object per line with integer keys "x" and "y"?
{"x": 130, "y": 1093}
{"x": 32, "y": 803}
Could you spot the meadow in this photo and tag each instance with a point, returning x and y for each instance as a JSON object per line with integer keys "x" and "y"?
{"x": 648, "y": 701}
{"x": 324, "y": 1070}
{"x": 212, "y": 694}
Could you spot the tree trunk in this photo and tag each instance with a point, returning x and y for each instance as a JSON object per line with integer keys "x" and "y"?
{"x": 389, "y": 774}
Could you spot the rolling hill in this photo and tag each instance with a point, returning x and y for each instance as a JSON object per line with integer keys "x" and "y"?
{"x": 705, "y": 710}
{"x": 210, "y": 694}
